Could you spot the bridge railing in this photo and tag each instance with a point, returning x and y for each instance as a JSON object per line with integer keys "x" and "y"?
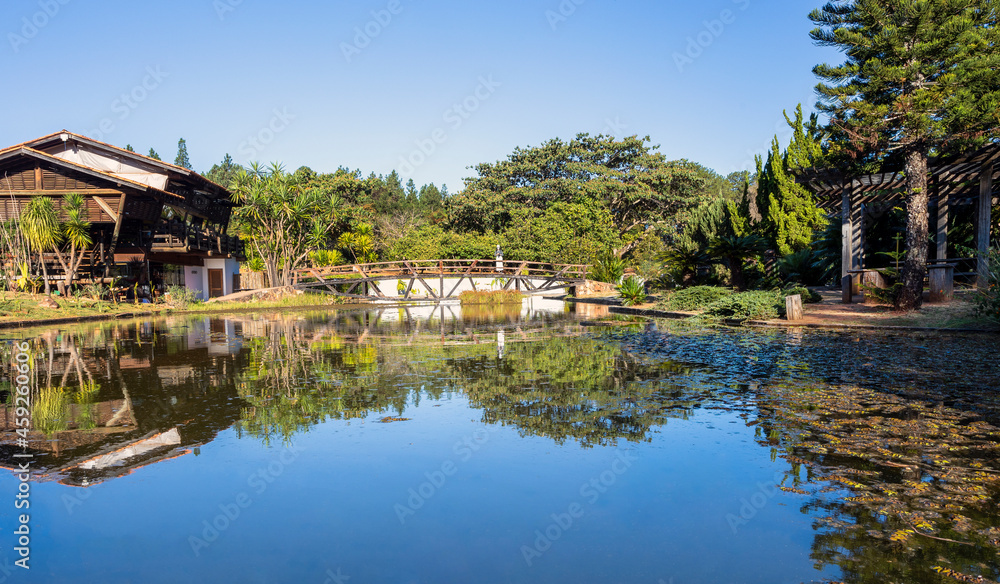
{"x": 447, "y": 268}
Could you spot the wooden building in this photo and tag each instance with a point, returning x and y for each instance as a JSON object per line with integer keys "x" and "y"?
{"x": 965, "y": 181}
{"x": 170, "y": 217}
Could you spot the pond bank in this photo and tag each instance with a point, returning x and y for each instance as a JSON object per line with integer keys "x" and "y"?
{"x": 830, "y": 313}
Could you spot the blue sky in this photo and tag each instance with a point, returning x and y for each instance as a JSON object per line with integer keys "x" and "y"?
{"x": 427, "y": 88}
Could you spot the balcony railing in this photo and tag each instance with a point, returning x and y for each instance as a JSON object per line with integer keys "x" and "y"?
{"x": 175, "y": 236}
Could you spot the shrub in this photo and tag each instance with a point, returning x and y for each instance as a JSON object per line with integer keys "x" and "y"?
{"x": 181, "y": 296}
{"x": 808, "y": 296}
{"x": 754, "y": 305}
{"x": 694, "y": 298}
{"x": 608, "y": 268}
{"x": 632, "y": 291}
{"x": 487, "y": 297}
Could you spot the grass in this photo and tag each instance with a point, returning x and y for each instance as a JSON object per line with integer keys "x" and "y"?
{"x": 19, "y": 307}
{"x": 494, "y": 297}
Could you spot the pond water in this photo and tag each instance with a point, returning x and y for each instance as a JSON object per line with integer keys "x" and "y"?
{"x": 432, "y": 444}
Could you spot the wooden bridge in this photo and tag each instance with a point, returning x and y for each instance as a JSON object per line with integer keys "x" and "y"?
{"x": 411, "y": 277}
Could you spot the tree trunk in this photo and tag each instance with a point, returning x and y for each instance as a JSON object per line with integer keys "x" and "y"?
{"x": 45, "y": 274}
{"x": 915, "y": 265}
{"x": 736, "y": 278}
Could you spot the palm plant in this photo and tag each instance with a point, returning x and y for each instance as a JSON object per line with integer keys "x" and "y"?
{"x": 734, "y": 250}
{"x": 608, "y": 268}
{"x": 75, "y": 233}
{"x": 40, "y": 227}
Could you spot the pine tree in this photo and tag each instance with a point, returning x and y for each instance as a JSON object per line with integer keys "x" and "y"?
{"x": 129, "y": 148}
{"x": 152, "y": 154}
{"x": 920, "y": 76}
{"x": 223, "y": 174}
{"x": 182, "y": 159}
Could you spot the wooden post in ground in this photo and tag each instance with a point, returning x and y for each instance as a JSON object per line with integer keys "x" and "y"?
{"x": 793, "y": 307}
{"x": 847, "y": 289}
{"x": 846, "y": 233}
{"x": 942, "y": 221}
{"x": 983, "y": 219}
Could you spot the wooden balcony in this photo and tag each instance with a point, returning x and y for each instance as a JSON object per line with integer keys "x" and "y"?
{"x": 178, "y": 237}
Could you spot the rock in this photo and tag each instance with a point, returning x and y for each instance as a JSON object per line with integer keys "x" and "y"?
{"x": 48, "y": 302}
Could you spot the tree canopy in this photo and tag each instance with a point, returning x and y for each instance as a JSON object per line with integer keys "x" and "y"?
{"x": 627, "y": 178}
{"x": 921, "y": 77}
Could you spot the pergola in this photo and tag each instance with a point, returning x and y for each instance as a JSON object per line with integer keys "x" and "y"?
{"x": 954, "y": 181}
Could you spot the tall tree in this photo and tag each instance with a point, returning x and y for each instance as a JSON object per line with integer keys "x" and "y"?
{"x": 281, "y": 221}
{"x": 789, "y": 215}
{"x": 637, "y": 185}
{"x": 921, "y": 76}
{"x": 152, "y": 154}
{"x": 224, "y": 172}
{"x": 182, "y": 158}
{"x": 129, "y": 148}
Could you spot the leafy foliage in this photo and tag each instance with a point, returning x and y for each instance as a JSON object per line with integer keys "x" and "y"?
{"x": 636, "y": 186}
{"x": 608, "y": 268}
{"x": 280, "y": 220}
{"x": 632, "y": 291}
{"x": 920, "y": 78}
{"x": 490, "y": 297}
{"x": 753, "y": 305}
{"x": 789, "y": 213}
{"x": 694, "y": 298}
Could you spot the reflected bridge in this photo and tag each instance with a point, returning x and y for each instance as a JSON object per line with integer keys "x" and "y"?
{"x": 438, "y": 279}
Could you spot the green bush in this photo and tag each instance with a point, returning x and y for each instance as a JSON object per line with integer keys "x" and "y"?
{"x": 694, "y": 298}
{"x": 632, "y": 291}
{"x": 753, "y": 305}
{"x": 808, "y": 296}
{"x": 988, "y": 300}
{"x": 607, "y": 268}
{"x": 181, "y": 296}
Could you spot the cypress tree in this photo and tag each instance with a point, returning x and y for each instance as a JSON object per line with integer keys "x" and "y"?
{"x": 789, "y": 213}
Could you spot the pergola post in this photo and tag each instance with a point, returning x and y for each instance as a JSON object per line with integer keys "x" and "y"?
{"x": 983, "y": 220}
{"x": 942, "y": 221}
{"x": 846, "y": 233}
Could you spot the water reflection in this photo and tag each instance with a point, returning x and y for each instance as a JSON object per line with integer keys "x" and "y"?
{"x": 115, "y": 398}
{"x": 888, "y": 445}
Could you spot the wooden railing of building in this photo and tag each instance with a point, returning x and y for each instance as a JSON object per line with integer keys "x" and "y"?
{"x": 531, "y": 277}
{"x": 174, "y": 236}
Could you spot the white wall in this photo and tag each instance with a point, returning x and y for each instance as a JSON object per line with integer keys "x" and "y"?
{"x": 195, "y": 278}
{"x": 229, "y": 268}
